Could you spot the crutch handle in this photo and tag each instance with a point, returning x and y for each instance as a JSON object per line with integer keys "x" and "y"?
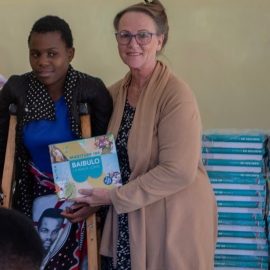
{"x": 12, "y": 109}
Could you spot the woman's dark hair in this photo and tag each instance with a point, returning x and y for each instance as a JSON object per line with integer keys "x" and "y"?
{"x": 155, "y": 10}
{"x": 51, "y": 23}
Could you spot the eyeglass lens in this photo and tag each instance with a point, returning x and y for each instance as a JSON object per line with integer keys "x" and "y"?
{"x": 142, "y": 38}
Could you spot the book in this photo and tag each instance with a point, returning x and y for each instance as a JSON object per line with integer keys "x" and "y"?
{"x": 240, "y": 210}
{"x": 231, "y": 156}
{"x": 246, "y": 252}
{"x": 235, "y": 169}
{"x": 242, "y": 246}
{"x": 84, "y": 163}
{"x": 242, "y": 240}
{"x": 254, "y": 224}
{"x": 241, "y": 234}
{"x": 238, "y": 151}
{"x": 240, "y": 192}
{"x": 240, "y": 216}
{"x": 231, "y": 137}
{"x": 231, "y": 162}
{"x": 244, "y": 264}
{"x": 240, "y": 198}
{"x": 242, "y": 228}
{"x": 213, "y": 174}
{"x": 241, "y": 204}
{"x": 249, "y": 258}
{"x": 241, "y": 186}
{"x": 246, "y": 145}
{"x": 238, "y": 180}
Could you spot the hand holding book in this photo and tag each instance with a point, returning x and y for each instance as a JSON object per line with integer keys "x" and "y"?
{"x": 94, "y": 197}
{"x": 78, "y": 212}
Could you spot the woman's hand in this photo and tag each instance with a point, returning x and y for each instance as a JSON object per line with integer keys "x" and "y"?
{"x": 78, "y": 212}
{"x": 94, "y": 197}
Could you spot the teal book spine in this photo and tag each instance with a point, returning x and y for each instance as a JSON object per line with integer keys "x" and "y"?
{"x": 241, "y": 181}
{"x": 241, "y": 204}
{"x": 228, "y": 174}
{"x": 242, "y": 234}
{"x": 225, "y": 162}
{"x": 234, "y": 137}
{"x": 245, "y": 258}
{"x": 242, "y": 222}
{"x": 242, "y": 264}
{"x": 222, "y": 245}
{"x": 236, "y": 192}
{"x": 240, "y": 151}
{"x": 241, "y": 216}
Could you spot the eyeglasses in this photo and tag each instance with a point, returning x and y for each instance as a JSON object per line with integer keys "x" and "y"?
{"x": 142, "y": 37}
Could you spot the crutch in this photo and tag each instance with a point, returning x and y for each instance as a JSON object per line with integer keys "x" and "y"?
{"x": 8, "y": 171}
{"x": 91, "y": 224}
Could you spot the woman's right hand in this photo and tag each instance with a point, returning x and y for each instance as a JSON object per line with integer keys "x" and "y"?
{"x": 78, "y": 212}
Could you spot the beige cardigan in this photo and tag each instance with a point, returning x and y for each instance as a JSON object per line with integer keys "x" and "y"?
{"x": 169, "y": 200}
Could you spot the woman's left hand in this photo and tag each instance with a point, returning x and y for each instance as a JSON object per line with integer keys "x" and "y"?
{"x": 94, "y": 197}
{"x": 78, "y": 212}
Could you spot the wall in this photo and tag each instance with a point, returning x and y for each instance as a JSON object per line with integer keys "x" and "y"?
{"x": 220, "y": 47}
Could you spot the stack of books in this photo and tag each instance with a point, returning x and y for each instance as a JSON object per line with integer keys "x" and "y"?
{"x": 236, "y": 165}
{"x": 268, "y": 214}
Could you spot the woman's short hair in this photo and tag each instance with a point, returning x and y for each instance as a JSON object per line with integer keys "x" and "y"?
{"x": 52, "y": 23}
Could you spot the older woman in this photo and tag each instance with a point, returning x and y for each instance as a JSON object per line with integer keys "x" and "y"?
{"x": 164, "y": 215}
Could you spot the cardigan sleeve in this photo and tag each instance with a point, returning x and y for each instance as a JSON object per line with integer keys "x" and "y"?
{"x": 179, "y": 153}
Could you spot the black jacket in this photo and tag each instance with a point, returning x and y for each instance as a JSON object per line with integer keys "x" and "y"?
{"x": 89, "y": 90}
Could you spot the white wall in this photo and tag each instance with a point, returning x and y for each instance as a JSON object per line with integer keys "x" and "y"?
{"x": 220, "y": 47}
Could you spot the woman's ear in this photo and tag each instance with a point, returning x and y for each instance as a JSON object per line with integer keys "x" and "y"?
{"x": 160, "y": 42}
{"x": 71, "y": 53}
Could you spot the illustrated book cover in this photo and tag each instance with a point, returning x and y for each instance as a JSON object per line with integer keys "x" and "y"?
{"x": 84, "y": 163}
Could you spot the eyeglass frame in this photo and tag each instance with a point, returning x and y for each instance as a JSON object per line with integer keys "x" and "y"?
{"x": 131, "y": 36}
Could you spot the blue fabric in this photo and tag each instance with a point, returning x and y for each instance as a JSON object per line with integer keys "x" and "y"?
{"x": 39, "y": 134}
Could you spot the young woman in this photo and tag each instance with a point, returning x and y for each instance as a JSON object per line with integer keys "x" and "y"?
{"x": 48, "y": 100}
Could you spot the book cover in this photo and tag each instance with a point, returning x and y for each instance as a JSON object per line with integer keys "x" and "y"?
{"x": 84, "y": 163}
